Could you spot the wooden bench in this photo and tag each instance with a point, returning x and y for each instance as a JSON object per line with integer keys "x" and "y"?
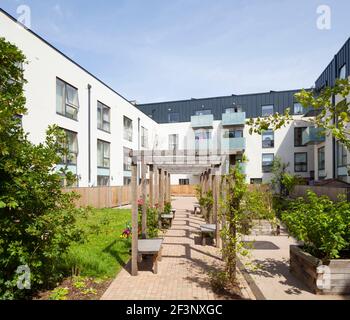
{"x": 168, "y": 218}
{"x": 151, "y": 247}
{"x": 207, "y": 230}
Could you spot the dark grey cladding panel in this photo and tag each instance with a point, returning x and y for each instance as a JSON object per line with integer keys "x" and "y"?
{"x": 250, "y": 103}
{"x": 331, "y": 73}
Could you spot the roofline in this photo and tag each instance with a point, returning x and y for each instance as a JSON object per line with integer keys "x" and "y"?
{"x": 220, "y": 97}
{"x": 62, "y": 54}
{"x": 329, "y": 64}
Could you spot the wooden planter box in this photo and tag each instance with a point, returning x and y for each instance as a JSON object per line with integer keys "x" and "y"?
{"x": 332, "y": 278}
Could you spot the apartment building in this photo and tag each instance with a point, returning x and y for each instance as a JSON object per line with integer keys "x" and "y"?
{"x": 219, "y": 125}
{"x": 103, "y": 127}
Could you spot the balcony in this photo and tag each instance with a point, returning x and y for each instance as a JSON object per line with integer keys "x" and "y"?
{"x": 313, "y": 135}
{"x": 233, "y": 144}
{"x": 234, "y": 119}
{"x": 202, "y": 121}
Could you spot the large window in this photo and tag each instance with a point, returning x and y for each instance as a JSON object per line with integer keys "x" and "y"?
{"x": 173, "y": 117}
{"x": 103, "y": 181}
{"x": 173, "y": 142}
{"x": 300, "y": 162}
{"x": 103, "y": 154}
{"x": 233, "y": 133}
{"x": 298, "y": 137}
{"x": 267, "y": 162}
{"x": 342, "y": 72}
{"x": 103, "y": 117}
{"x": 267, "y": 110}
{"x": 203, "y": 112}
{"x": 342, "y": 159}
{"x": 144, "y": 137}
{"x": 127, "y": 159}
{"x": 67, "y": 101}
{"x": 203, "y": 139}
{"x": 298, "y": 109}
{"x": 128, "y": 130}
{"x": 71, "y": 144}
{"x": 321, "y": 159}
{"x": 268, "y": 139}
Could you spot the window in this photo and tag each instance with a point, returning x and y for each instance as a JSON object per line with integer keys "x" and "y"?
{"x": 256, "y": 181}
{"x": 173, "y": 117}
{"x": 342, "y": 72}
{"x": 267, "y": 110}
{"x": 127, "y": 181}
{"x": 233, "y": 110}
{"x": 342, "y": 160}
{"x": 67, "y": 101}
{"x": 103, "y": 181}
{"x": 203, "y": 112}
{"x": 128, "y": 129}
{"x": 103, "y": 117}
{"x": 321, "y": 159}
{"x": 300, "y": 162}
{"x": 203, "y": 139}
{"x": 298, "y": 109}
{"x": 184, "y": 182}
{"x": 71, "y": 143}
{"x": 298, "y": 137}
{"x": 144, "y": 137}
{"x": 233, "y": 133}
{"x": 173, "y": 142}
{"x": 103, "y": 154}
{"x": 268, "y": 139}
{"x": 127, "y": 159}
{"x": 267, "y": 162}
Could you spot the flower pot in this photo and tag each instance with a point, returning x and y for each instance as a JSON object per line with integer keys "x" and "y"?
{"x": 330, "y": 278}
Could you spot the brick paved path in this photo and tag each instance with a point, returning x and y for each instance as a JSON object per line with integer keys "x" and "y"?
{"x": 183, "y": 271}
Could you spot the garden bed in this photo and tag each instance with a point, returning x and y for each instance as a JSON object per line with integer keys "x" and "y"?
{"x": 330, "y": 278}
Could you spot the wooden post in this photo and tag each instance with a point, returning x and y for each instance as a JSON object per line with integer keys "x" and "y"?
{"x": 216, "y": 211}
{"x": 161, "y": 190}
{"x": 156, "y": 185}
{"x": 169, "y": 187}
{"x": 135, "y": 224}
{"x": 151, "y": 186}
{"x": 144, "y": 200}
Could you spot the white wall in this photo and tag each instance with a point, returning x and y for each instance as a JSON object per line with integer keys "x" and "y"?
{"x": 44, "y": 65}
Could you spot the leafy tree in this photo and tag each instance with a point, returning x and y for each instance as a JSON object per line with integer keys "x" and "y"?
{"x": 37, "y": 220}
{"x": 326, "y": 112}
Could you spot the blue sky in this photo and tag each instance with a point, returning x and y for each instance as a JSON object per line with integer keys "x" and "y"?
{"x": 156, "y": 50}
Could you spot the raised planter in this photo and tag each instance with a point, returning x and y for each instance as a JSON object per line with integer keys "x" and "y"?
{"x": 330, "y": 278}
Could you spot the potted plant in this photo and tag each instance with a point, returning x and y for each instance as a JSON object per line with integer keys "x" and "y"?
{"x": 322, "y": 262}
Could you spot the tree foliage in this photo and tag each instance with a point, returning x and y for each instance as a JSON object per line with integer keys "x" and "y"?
{"x": 37, "y": 220}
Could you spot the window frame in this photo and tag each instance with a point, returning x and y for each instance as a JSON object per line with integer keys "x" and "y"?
{"x": 295, "y": 136}
{"x": 128, "y": 133}
{"x": 103, "y": 107}
{"x": 302, "y": 109}
{"x": 65, "y": 101}
{"x": 343, "y": 67}
{"x": 172, "y": 114}
{"x": 301, "y": 163}
{"x": 340, "y": 164}
{"x": 323, "y": 162}
{"x": 264, "y": 170}
{"x": 267, "y": 105}
{"x": 103, "y": 154}
{"x": 126, "y": 164}
{"x": 64, "y": 160}
{"x": 144, "y": 137}
{"x": 272, "y": 141}
{"x": 184, "y": 182}
{"x": 107, "y": 184}
{"x": 172, "y": 145}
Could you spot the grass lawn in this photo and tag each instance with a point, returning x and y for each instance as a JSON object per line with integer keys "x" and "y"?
{"x": 103, "y": 253}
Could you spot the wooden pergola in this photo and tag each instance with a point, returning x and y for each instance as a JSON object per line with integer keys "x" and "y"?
{"x": 160, "y": 165}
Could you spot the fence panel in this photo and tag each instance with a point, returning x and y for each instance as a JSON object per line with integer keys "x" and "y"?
{"x": 331, "y": 192}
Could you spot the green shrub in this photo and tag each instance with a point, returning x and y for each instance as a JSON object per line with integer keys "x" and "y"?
{"x": 37, "y": 220}
{"x": 323, "y": 225}
{"x": 167, "y": 208}
{"x": 152, "y": 222}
